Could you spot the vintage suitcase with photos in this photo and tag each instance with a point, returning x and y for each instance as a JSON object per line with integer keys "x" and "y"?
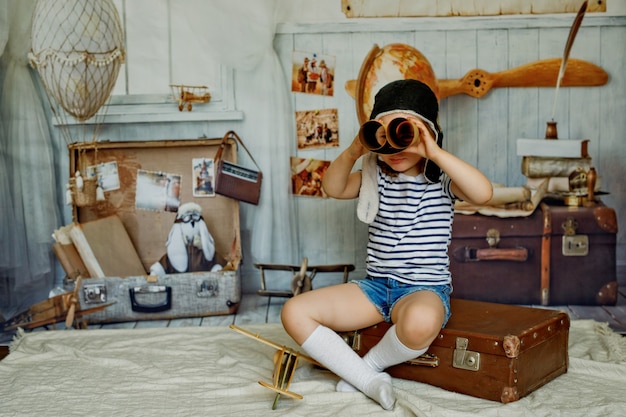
{"x": 493, "y": 351}
{"x": 147, "y": 220}
{"x": 559, "y": 255}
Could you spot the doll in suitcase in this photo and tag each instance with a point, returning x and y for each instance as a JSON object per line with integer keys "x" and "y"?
{"x": 190, "y": 247}
{"x": 406, "y": 192}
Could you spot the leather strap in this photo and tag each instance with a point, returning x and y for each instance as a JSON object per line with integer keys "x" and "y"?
{"x": 504, "y": 254}
{"x": 546, "y": 241}
{"x": 231, "y": 134}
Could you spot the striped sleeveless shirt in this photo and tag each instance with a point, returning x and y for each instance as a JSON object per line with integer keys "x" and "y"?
{"x": 409, "y": 238}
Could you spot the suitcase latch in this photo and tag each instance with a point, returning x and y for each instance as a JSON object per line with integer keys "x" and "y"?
{"x": 573, "y": 244}
{"x": 95, "y": 293}
{"x": 353, "y": 339}
{"x": 493, "y": 238}
{"x": 463, "y": 358}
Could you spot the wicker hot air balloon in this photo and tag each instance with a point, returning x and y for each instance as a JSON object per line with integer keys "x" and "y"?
{"x": 77, "y": 47}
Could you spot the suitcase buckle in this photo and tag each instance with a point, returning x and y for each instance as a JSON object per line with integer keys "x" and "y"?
{"x": 353, "y": 339}
{"x": 463, "y": 358}
{"x": 573, "y": 244}
{"x": 493, "y": 238}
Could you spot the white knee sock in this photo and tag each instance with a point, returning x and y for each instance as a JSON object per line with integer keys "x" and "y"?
{"x": 388, "y": 352}
{"x": 330, "y": 350}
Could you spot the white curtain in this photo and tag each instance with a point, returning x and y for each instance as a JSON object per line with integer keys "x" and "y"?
{"x": 241, "y": 33}
{"x": 28, "y": 187}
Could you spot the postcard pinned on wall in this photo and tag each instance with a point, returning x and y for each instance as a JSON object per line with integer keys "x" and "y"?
{"x": 317, "y": 128}
{"x": 203, "y": 177}
{"x": 313, "y": 73}
{"x": 307, "y": 175}
{"x": 107, "y": 175}
{"x": 158, "y": 191}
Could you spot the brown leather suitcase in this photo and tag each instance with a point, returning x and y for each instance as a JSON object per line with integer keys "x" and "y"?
{"x": 559, "y": 255}
{"x": 493, "y": 351}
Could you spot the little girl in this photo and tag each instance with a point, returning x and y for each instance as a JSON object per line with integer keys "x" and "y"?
{"x": 407, "y": 197}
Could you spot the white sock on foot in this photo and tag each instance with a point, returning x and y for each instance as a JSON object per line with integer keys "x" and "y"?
{"x": 330, "y": 350}
{"x": 388, "y": 352}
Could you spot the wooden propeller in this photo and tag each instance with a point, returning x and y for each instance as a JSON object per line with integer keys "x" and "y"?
{"x": 543, "y": 73}
{"x": 73, "y": 300}
{"x": 301, "y": 282}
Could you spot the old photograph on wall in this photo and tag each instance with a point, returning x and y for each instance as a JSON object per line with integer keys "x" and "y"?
{"x": 313, "y": 73}
{"x": 107, "y": 175}
{"x": 317, "y": 128}
{"x": 307, "y": 175}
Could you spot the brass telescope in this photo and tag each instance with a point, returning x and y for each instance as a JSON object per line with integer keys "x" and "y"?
{"x": 399, "y": 134}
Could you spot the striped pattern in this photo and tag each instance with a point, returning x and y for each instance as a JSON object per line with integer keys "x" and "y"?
{"x": 409, "y": 238}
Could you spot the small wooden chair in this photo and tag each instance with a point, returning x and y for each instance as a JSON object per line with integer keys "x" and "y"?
{"x": 312, "y": 270}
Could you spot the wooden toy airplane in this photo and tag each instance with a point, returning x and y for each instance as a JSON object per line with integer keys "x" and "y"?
{"x": 53, "y": 310}
{"x": 285, "y": 363}
{"x": 188, "y": 94}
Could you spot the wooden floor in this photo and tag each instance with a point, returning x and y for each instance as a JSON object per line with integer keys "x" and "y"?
{"x": 256, "y": 309}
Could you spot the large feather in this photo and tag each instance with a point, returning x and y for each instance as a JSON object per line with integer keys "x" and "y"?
{"x": 568, "y": 46}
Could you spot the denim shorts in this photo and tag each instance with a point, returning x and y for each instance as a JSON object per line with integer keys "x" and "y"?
{"x": 384, "y": 293}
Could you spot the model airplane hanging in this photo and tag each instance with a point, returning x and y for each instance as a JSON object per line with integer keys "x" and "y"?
{"x": 285, "y": 363}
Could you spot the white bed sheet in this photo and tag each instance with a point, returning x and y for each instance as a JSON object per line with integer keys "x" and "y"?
{"x": 213, "y": 371}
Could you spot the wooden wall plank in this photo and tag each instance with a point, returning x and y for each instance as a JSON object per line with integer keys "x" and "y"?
{"x": 462, "y": 110}
{"x": 492, "y": 140}
{"x": 612, "y": 127}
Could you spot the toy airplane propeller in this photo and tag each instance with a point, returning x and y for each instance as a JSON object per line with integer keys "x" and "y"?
{"x": 285, "y": 363}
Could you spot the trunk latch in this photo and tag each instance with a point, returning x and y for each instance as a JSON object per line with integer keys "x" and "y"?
{"x": 463, "y": 358}
{"x": 573, "y": 244}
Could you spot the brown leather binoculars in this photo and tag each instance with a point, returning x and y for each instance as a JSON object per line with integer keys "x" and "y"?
{"x": 399, "y": 134}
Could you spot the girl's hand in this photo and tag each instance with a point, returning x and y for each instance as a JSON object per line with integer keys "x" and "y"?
{"x": 356, "y": 148}
{"x": 426, "y": 145}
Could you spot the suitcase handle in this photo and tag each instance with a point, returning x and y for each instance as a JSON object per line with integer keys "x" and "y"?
{"x": 151, "y": 289}
{"x": 468, "y": 254}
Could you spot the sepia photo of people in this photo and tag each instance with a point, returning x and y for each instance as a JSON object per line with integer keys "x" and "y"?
{"x": 313, "y": 73}
{"x": 306, "y": 176}
{"x": 317, "y": 128}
